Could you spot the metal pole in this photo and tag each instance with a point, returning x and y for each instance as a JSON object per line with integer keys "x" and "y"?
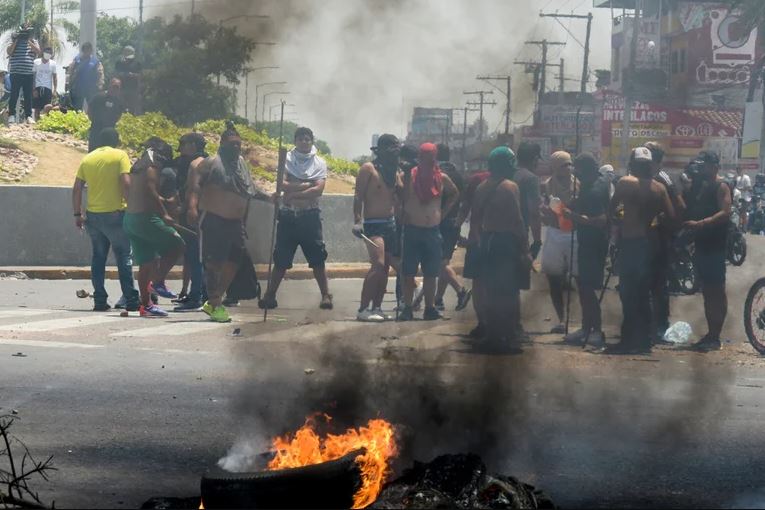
{"x": 88, "y": 23}
{"x": 279, "y": 179}
{"x": 480, "y": 122}
{"x": 464, "y": 140}
{"x": 561, "y": 79}
{"x": 140, "y": 29}
{"x": 583, "y": 86}
{"x": 507, "y": 112}
{"x": 50, "y": 37}
{"x": 543, "y": 78}
{"x": 23, "y": 11}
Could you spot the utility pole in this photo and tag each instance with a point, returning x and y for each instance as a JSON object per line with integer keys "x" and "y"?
{"x": 464, "y": 136}
{"x": 561, "y": 77}
{"x": 88, "y": 23}
{"x": 50, "y": 42}
{"x": 544, "y": 43}
{"x": 480, "y": 103}
{"x": 507, "y": 96}
{"x": 140, "y": 31}
{"x": 23, "y": 11}
{"x": 588, "y": 17}
{"x": 627, "y": 80}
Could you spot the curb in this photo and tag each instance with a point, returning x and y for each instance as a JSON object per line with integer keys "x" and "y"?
{"x": 299, "y": 272}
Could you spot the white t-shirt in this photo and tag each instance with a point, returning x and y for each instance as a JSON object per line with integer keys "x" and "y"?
{"x": 743, "y": 182}
{"x": 44, "y": 72}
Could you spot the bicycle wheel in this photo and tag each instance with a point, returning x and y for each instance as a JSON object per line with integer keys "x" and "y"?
{"x": 737, "y": 249}
{"x": 754, "y": 315}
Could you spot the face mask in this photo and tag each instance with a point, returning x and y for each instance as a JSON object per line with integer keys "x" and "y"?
{"x": 47, "y": 56}
{"x": 228, "y": 152}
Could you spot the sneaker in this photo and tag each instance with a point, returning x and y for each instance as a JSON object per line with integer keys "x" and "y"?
{"x": 326, "y": 302}
{"x": 228, "y": 301}
{"x": 267, "y": 302}
{"x": 384, "y": 315}
{"x": 439, "y": 304}
{"x": 152, "y": 311}
{"x": 431, "y": 314}
{"x": 369, "y": 316}
{"x": 207, "y": 308}
{"x": 104, "y": 307}
{"x": 575, "y": 338}
{"x": 558, "y": 330}
{"x": 30, "y": 120}
{"x": 419, "y": 294}
{"x": 188, "y": 306}
{"x": 220, "y": 314}
{"x": 406, "y": 314}
{"x": 706, "y": 345}
{"x": 11, "y": 119}
{"x": 477, "y": 332}
{"x": 463, "y": 298}
{"x": 161, "y": 290}
{"x": 121, "y": 303}
{"x": 596, "y": 340}
{"x": 182, "y": 298}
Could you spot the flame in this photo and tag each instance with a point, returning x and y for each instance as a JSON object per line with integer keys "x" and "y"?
{"x": 305, "y": 447}
{"x": 201, "y": 505}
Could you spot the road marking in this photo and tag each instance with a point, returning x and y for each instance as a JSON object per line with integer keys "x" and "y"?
{"x": 54, "y": 324}
{"x": 172, "y": 329}
{"x": 24, "y": 312}
{"x": 47, "y": 343}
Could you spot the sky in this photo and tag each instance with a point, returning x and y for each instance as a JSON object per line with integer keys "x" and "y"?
{"x": 357, "y": 68}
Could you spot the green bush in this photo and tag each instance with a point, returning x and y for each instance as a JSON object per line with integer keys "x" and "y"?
{"x": 71, "y": 123}
{"x": 135, "y": 130}
{"x": 341, "y": 166}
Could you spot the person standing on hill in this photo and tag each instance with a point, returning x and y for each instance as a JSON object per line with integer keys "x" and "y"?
{"x": 105, "y": 111}
{"x": 129, "y": 70}
{"x": 46, "y": 81}
{"x": 86, "y": 77}
{"x": 21, "y": 58}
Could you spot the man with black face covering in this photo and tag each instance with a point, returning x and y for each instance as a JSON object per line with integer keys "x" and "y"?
{"x": 374, "y": 207}
{"x": 588, "y": 214}
{"x": 221, "y": 187}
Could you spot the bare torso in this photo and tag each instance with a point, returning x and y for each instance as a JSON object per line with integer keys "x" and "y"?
{"x": 378, "y": 198}
{"x": 418, "y": 213}
{"x": 139, "y": 200}
{"x": 643, "y": 200}
{"x": 223, "y": 203}
{"x": 498, "y": 207}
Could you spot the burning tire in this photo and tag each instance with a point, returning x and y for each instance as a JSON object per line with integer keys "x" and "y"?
{"x": 328, "y": 485}
{"x": 754, "y": 315}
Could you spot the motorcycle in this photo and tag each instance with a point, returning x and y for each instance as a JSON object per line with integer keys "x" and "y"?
{"x": 682, "y": 273}
{"x": 735, "y": 250}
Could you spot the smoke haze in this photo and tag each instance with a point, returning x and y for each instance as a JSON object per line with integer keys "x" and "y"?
{"x": 355, "y": 68}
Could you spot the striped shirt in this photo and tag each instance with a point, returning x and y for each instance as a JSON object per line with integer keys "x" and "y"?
{"x": 22, "y": 60}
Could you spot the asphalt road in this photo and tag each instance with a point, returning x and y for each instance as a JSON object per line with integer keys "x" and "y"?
{"x": 134, "y": 408}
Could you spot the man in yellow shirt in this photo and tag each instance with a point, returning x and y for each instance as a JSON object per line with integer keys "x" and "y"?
{"x": 106, "y": 171}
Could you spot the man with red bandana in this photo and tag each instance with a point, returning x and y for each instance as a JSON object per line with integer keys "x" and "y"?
{"x": 423, "y": 210}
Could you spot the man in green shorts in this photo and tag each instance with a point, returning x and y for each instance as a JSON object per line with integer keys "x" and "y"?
{"x": 156, "y": 244}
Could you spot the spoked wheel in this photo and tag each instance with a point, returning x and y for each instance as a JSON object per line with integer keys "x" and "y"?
{"x": 737, "y": 249}
{"x": 754, "y": 315}
{"x": 684, "y": 275}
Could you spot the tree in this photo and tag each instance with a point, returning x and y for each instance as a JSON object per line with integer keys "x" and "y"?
{"x": 38, "y": 16}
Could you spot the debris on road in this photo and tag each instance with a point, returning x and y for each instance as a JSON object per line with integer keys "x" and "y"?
{"x": 19, "y": 355}
{"x": 309, "y": 371}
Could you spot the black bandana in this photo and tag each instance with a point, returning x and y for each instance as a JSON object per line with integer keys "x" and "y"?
{"x": 388, "y": 174}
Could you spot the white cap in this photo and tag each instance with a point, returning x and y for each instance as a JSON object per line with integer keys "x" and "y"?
{"x": 641, "y": 154}
{"x": 606, "y": 169}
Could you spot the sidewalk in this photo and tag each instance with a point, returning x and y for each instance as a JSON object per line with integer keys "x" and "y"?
{"x": 299, "y": 272}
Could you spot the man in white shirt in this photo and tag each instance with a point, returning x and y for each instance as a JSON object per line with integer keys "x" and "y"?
{"x": 743, "y": 184}
{"x": 45, "y": 81}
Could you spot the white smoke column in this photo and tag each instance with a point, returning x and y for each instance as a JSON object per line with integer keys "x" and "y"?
{"x": 358, "y": 67}
{"x": 243, "y": 456}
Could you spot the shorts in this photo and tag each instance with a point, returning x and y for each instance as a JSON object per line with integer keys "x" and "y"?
{"x": 299, "y": 228}
{"x": 221, "y": 239}
{"x": 44, "y": 97}
{"x": 556, "y": 253}
{"x": 150, "y": 237}
{"x": 422, "y": 247}
{"x": 450, "y": 235}
{"x": 710, "y": 267}
{"x": 591, "y": 263}
{"x": 500, "y": 270}
{"x": 472, "y": 268}
{"x": 387, "y": 231}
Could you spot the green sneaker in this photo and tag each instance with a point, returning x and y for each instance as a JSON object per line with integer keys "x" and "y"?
{"x": 207, "y": 308}
{"x": 220, "y": 314}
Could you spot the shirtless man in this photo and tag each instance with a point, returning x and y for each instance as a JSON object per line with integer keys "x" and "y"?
{"x": 374, "y": 203}
{"x": 643, "y": 199}
{"x": 556, "y": 253}
{"x": 504, "y": 245}
{"x": 422, "y": 243}
{"x": 221, "y": 187}
{"x": 156, "y": 244}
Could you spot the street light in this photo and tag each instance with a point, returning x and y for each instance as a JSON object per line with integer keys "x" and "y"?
{"x": 247, "y": 72}
{"x": 263, "y": 108}
{"x": 257, "y": 88}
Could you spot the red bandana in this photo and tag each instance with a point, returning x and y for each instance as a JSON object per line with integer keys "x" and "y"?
{"x": 426, "y": 176}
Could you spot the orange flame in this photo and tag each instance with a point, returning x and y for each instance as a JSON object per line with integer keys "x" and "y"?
{"x": 305, "y": 447}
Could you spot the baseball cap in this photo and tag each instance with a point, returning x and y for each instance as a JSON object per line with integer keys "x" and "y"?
{"x": 709, "y": 157}
{"x": 385, "y": 140}
{"x": 641, "y": 154}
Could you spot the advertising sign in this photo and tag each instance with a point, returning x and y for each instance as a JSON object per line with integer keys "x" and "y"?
{"x": 558, "y": 120}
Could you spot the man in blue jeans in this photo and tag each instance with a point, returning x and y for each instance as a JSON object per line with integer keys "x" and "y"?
{"x": 106, "y": 172}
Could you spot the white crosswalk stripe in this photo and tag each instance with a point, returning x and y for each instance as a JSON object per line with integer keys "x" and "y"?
{"x": 171, "y": 329}
{"x": 56, "y": 324}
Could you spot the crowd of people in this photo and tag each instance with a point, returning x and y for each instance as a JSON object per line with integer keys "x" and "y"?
{"x": 33, "y": 76}
{"x": 409, "y": 207}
